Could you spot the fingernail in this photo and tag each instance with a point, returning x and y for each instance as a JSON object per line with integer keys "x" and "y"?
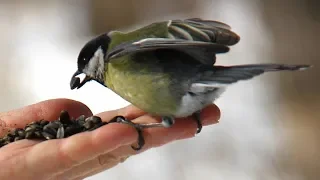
{"x": 210, "y": 116}
{"x": 210, "y": 121}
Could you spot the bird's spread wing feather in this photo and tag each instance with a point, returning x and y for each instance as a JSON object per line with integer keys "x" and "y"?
{"x": 202, "y": 30}
{"x": 221, "y": 76}
{"x": 210, "y": 23}
{"x": 202, "y": 39}
{"x": 197, "y": 49}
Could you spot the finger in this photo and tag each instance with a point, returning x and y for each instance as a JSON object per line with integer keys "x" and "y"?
{"x": 130, "y": 112}
{"x": 184, "y": 128}
{"x": 48, "y": 110}
{"x": 66, "y": 153}
{"x": 83, "y": 171}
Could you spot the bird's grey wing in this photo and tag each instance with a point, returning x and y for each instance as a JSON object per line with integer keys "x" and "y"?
{"x": 204, "y": 52}
{"x": 220, "y": 76}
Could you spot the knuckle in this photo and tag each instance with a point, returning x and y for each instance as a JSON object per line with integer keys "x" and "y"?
{"x": 106, "y": 159}
{"x": 109, "y": 160}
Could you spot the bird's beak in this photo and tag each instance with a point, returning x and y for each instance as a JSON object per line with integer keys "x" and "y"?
{"x": 76, "y": 82}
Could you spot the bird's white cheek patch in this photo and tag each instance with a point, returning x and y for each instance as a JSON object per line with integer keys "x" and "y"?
{"x": 95, "y": 68}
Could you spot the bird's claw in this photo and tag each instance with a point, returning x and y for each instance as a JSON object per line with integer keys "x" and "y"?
{"x": 123, "y": 120}
{"x": 166, "y": 122}
{"x": 197, "y": 119}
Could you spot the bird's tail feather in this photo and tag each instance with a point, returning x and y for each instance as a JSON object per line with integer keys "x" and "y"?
{"x": 268, "y": 67}
{"x": 224, "y": 75}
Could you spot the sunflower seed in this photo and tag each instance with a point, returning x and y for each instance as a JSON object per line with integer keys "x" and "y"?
{"x": 16, "y": 132}
{"x": 38, "y": 134}
{"x": 17, "y": 138}
{"x": 33, "y": 127}
{"x": 71, "y": 130}
{"x": 29, "y": 135}
{"x": 64, "y": 127}
{"x": 94, "y": 119}
{"x": 47, "y": 135}
{"x": 60, "y": 133}
{"x": 56, "y": 124}
{"x": 88, "y": 119}
{"x": 9, "y": 138}
{"x": 43, "y": 123}
{"x": 88, "y": 124}
{"x": 21, "y": 133}
{"x": 94, "y": 127}
{"x": 81, "y": 120}
{"x": 32, "y": 123}
{"x": 53, "y": 125}
{"x": 30, "y": 129}
{"x": 49, "y": 129}
{"x": 65, "y": 117}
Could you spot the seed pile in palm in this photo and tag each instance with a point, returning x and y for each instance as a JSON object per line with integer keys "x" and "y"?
{"x": 63, "y": 127}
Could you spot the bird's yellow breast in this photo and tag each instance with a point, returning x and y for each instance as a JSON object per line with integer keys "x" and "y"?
{"x": 139, "y": 85}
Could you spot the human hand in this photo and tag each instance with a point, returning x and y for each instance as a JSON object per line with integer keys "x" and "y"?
{"x": 85, "y": 154}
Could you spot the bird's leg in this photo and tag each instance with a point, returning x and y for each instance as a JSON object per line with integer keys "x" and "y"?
{"x": 166, "y": 122}
{"x": 197, "y": 118}
{"x": 123, "y": 120}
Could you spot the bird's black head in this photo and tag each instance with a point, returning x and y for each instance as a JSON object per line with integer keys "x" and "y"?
{"x": 91, "y": 61}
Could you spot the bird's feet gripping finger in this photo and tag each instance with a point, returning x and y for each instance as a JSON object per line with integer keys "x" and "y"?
{"x": 138, "y": 127}
{"x": 166, "y": 122}
{"x": 197, "y": 118}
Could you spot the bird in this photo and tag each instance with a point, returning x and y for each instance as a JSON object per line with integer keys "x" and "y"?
{"x": 166, "y": 68}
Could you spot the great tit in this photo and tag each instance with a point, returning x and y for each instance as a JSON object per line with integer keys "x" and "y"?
{"x": 166, "y": 68}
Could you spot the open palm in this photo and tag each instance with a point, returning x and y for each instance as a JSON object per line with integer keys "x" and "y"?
{"x": 87, "y": 153}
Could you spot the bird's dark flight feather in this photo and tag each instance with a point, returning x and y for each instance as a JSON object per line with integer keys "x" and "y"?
{"x": 198, "y": 50}
{"x": 203, "y": 30}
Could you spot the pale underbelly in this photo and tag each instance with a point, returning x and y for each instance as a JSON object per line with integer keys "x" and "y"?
{"x": 191, "y": 104}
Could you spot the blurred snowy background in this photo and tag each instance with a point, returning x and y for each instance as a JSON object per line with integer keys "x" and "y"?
{"x": 270, "y": 126}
